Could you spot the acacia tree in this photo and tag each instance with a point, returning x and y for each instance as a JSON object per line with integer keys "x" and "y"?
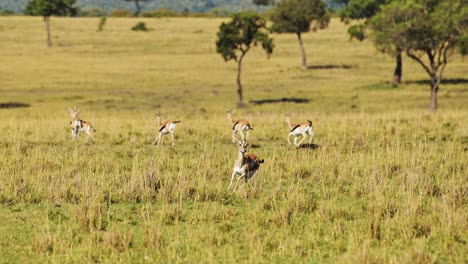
{"x": 428, "y": 31}
{"x": 238, "y": 36}
{"x": 362, "y": 11}
{"x": 47, "y": 8}
{"x": 137, "y": 5}
{"x": 299, "y": 16}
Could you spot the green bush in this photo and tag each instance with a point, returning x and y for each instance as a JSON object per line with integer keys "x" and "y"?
{"x": 121, "y": 13}
{"x": 6, "y": 12}
{"x": 102, "y": 23}
{"x": 140, "y": 26}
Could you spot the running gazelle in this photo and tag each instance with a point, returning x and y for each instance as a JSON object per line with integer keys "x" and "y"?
{"x": 246, "y": 165}
{"x": 238, "y": 126}
{"x": 302, "y": 129}
{"x": 77, "y": 125}
{"x": 165, "y": 128}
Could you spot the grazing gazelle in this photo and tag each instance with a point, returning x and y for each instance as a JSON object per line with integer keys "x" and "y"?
{"x": 165, "y": 128}
{"x": 238, "y": 126}
{"x": 246, "y": 165}
{"x": 302, "y": 129}
{"x": 77, "y": 125}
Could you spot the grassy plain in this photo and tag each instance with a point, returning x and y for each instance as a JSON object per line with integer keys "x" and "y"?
{"x": 387, "y": 185}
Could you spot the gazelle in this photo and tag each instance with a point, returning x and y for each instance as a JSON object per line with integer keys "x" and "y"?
{"x": 246, "y": 165}
{"x": 165, "y": 128}
{"x": 302, "y": 129}
{"x": 77, "y": 125}
{"x": 238, "y": 126}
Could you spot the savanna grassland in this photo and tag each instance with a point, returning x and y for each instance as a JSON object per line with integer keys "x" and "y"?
{"x": 388, "y": 183}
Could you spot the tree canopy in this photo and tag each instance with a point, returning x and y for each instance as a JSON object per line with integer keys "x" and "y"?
{"x": 299, "y": 16}
{"x": 429, "y": 32}
{"x": 238, "y": 36}
{"x": 361, "y": 10}
{"x": 47, "y": 8}
{"x": 263, "y": 2}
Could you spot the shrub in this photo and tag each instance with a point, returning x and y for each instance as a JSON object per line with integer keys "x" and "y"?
{"x": 6, "y": 12}
{"x": 121, "y": 13}
{"x": 140, "y": 26}
{"x": 102, "y": 23}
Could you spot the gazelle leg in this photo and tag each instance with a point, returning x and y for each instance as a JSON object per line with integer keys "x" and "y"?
{"x": 295, "y": 141}
{"x": 156, "y": 140}
{"x": 238, "y": 179}
{"x": 289, "y": 140}
{"x": 90, "y": 134}
{"x": 232, "y": 179}
{"x": 172, "y": 137}
{"x": 242, "y": 134}
{"x": 311, "y": 137}
{"x": 234, "y": 136}
{"x": 247, "y": 135}
{"x": 304, "y": 135}
{"x": 73, "y": 135}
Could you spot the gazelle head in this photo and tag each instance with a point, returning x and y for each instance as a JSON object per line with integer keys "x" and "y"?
{"x": 229, "y": 114}
{"x": 73, "y": 112}
{"x": 242, "y": 146}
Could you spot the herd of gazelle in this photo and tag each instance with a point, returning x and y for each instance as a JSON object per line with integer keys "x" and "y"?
{"x": 246, "y": 164}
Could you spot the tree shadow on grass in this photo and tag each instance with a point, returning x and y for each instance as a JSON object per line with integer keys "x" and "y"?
{"x": 13, "y": 105}
{"x": 281, "y": 100}
{"x": 309, "y": 146}
{"x": 330, "y": 66}
{"x": 444, "y": 81}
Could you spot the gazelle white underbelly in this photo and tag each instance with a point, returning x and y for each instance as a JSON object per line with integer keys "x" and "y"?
{"x": 296, "y": 132}
{"x": 172, "y": 127}
{"x": 239, "y": 170}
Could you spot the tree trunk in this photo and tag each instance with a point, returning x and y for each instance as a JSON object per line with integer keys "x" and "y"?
{"x": 434, "y": 91}
{"x": 137, "y": 3}
{"x": 47, "y": 25}
{"x": 303, "y": 53}
{"x": 398, "y": 69}
{"x": 239, "y": 83}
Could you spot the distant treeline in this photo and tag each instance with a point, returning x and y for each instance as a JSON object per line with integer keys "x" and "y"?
{"x": 150, "y": 7}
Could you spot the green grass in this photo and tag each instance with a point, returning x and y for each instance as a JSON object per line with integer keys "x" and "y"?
{"x": 387, "y": 184}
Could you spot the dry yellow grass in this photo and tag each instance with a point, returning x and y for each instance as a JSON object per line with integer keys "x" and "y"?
{"x": 388, "y": 183}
